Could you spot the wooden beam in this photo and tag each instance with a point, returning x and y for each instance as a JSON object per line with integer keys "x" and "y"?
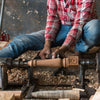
{"x": 7, "y": 96}
{"x": 56, "y": 94}
{"x": 64, "y": 99}
{"x": 3, "y": 44}
{"x": 10, "y": 95}
{"x": 96, "y": 95}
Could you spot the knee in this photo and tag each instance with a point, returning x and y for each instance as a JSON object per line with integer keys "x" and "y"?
{"x": 20, "y": 38}
{"x": 92, "y": 23}
{"x": 93, "y": 26}
{"x": 18, "y": 41}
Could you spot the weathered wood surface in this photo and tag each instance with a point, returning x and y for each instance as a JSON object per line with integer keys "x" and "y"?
{"x": 50, "y": 94}
{"x": 91, "y": 51}
{"x": 64, "y": 99}
{"x": 10, "y": 95}
{"x": 25, "y": 16}
{"x": 7, "y": 96}
{"x": 96, "y": 95}
{"x": 3, "y": 44}
{"x": 71, "y": 62}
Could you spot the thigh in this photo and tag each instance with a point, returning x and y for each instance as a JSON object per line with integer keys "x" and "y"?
{"x": 62, "y": 34}
{"x": 22, "y": 43}
{"x": 91, "y": 33}
{"x": 32, "y": 41}
{"x": 90, "y": 36}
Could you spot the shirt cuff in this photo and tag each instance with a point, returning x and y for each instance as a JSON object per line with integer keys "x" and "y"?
{"x": 49, "y": 37}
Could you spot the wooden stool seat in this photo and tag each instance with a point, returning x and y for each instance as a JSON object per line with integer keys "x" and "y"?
{"x": 93, "y": 50}
{"x": 3, "y": 44}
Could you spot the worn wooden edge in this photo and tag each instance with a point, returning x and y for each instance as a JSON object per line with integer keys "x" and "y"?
{"x": 63, "y": 99}
{"x": 7, "y": 96}
{"x": 96, "y": 96}
{"x": 4, "y": 44}
{"x": 78, "y": 89}
{"x": 91, "y": 51}
{"x": 13, "y": 94}
{"x": 57, "y": 94}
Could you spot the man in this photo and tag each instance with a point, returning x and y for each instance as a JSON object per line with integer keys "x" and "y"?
{"x": 70, "y": 22}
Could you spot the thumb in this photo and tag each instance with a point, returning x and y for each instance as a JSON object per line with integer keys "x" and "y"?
{"x": 53, "y": 55}
{"x": 48, "y": 52}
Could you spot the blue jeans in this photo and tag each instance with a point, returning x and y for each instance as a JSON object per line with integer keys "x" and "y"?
{"x": 35, "y": 41}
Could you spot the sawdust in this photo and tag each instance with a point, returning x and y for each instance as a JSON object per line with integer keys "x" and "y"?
{"x": 44, "y": 75}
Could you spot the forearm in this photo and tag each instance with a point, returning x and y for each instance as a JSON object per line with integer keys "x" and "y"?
{"x": 52, "y": 27}
{"x": 82, "y": 17}
{"x": 53, "y": 21}
{"x": 47, "y": 44}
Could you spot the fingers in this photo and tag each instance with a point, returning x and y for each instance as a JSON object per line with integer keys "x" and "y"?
{"x": 44, "y": 54}
{"x": 48, "y": 52}
{"x": 59, "y": 52}
{"x": 55, "y": 53}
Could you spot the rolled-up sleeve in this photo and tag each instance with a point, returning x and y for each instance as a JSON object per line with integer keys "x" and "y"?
{"x": 83, "y": 15}
{"x": 53, "y": 22}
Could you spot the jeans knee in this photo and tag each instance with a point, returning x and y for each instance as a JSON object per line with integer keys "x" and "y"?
{"x": 92, "y": 28}
{"x": 19, "y": 37}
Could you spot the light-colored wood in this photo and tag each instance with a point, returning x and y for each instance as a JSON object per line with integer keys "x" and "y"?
{"x": 78, "y": 89}
{"x": 50, "y": 62}
{"x": 71, "y": 62}
{"x": 10, "y": 95}
{"x": 56, "y": 94}
{"x": 7, "y": 96}
{"x": 64, "y": 99}
{"x": 95, "y": 49}
{"x": 96, "y": 95}
{"x": 3, "y": 44}
{"x": 46, "y": 63}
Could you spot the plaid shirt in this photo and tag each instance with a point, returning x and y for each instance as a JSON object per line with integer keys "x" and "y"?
{"x": 71, "y": 12}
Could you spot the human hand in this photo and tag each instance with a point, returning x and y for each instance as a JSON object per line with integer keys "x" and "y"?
{"x": 46, "y": 51}
{"x": 60, "y": 51}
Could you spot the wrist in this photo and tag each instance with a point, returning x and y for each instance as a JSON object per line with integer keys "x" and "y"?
{"x": 47, "y": 44}
{"x": 63, "y": 48}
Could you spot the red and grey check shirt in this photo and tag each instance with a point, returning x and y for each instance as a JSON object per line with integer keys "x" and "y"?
{"x": 71, "y": 12}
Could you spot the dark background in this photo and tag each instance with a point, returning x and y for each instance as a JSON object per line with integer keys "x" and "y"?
{"x": 26, "y": 16}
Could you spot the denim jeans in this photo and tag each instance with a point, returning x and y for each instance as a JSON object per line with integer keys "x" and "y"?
{"x": 35, "y": 41}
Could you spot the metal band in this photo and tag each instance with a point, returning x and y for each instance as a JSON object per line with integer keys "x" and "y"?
{"x": 34, "y": 63}
{"x": 65, "y": 62}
